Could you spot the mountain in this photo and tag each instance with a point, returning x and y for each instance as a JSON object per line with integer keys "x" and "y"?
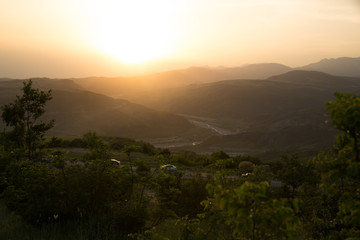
{"x": 246, "y": 98}
{"x": 248, "y": 109}
{"x": 9, "y": 88}
{"x": 125, "y": 87}
{"x": 344, "y": 66}
{"x": 130, "y": 87}
{"x": 286, "y": 111}
{"x": 77, "y": 111}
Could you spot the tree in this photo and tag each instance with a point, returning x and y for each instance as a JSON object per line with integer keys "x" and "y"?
{"x": 128, "y": 150}
{"x": 23, "y": 116}
{"x": 345, "y": 115}
{"x": 99, "y": 149}
{"x": 291, "y": 173}
{"x": 250, "y": 213}
{"x": 340, "y": 171}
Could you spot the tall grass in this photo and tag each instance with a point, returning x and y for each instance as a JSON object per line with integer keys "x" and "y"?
{"x": 13, "y": 227}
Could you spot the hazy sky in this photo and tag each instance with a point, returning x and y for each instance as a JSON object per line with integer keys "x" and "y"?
{"x": 79, "y": 38}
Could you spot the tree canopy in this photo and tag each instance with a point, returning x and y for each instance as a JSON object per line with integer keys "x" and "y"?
{"x": 23, "y": 116}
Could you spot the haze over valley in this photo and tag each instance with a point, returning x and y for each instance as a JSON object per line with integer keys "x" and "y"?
{"x": 250, "y": 109}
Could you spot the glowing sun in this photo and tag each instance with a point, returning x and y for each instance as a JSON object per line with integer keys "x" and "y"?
{"x": 133, "y": 31}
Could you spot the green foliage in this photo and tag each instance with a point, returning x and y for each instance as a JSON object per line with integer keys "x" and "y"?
{"x": 246, "y": 166}
{"x": 5, "y": 158}
{"x": 94, "y": 193}
{"x": 142, "y": 168}
{"x": 219, "y": 155}
{"x": 34, "y": 190}
{"x": 11, "y": 225}
{"x": 55, "y": 142}
{"x": 130, "y": 217}
{"x": 251, "y": 213}
{"x": 128, "y": 149}
{"x": 320, "y": 200}
{"x": 248, "y": 158}
{"x": 118, "y": 143}
{"x": 340, "y": 188}
{"x": 99, "y": 149}
{"x": 339, "y": 216}
{"x": 151, "y": 234}
{"x": 345, "y": 115}
{"x": 220, "y": 160}
{"x": 292, "y": 173}
{"x": 23, "y": 116}
{"x": 187, "y": 158}
{"x": 168, "y": 191}
{"x": 191, "y": 228}
{"x": 165, "y": 151}
{"x": 260, "y": 174}
{"x": 224, "y": 164}
{"x": 193, "y": 192}
{"x": 58, "y": 142}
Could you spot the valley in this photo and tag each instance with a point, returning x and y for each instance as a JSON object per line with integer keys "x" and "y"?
{"x": 262, "y": 108}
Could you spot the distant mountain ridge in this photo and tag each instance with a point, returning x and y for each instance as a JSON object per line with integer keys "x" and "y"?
{"x": 258, "y": 107}
{"x": 286, "y": 111}
{"x": 124, "y": 87}
{"x": 344, "y": 66}
{"x": 256, "y": 71}
{"x": 129, "y": 86}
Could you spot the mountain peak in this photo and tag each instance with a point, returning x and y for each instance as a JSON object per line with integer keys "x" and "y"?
{"x": 344, "y": 66}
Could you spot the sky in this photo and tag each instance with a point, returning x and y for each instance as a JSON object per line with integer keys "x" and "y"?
{"x": 81, "y": 38}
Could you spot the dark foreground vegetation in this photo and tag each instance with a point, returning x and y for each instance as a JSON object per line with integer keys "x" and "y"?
{"x": 62, "y": 188}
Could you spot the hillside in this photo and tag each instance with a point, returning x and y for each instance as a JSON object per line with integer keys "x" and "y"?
{"x": 293, "y": 91}
{"x": 128, "y": 87}
{"x": 282, "y": 112}
{"x": 344, "y": 66}
{"x": 77, "y": 111}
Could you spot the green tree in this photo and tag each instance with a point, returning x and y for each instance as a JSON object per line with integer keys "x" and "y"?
{"x": 250, "y": 213}
{"x": 345, "y": 115}
{"x": 23, "y": 116}
{"x": 193, "y": 192}
{"x": 291, "y": 173}
{"x": 98, "y": 148}
{"x": 339, "y": 217}
{"x": 167, "y": 188}
{"x": 128, "y": 150}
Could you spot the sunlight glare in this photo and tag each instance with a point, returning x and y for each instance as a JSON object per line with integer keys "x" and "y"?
{"x": 133, "y": 31}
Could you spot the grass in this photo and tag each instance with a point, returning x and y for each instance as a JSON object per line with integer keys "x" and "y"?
{"x": 13, "y": 227}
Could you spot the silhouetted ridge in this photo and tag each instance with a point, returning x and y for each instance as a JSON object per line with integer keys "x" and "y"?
{"x": 344, "y": 66}
{"x": 299, "y": 75}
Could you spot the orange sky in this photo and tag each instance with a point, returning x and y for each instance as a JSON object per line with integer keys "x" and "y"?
{"x": 79, "y": 38}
